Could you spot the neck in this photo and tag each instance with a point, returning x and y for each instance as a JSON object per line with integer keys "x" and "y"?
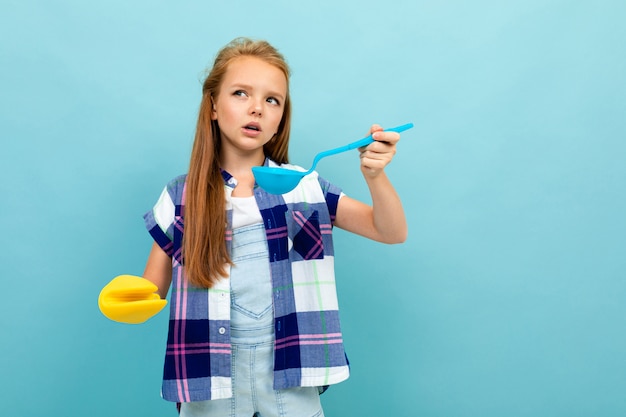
{"x": 240, "y": 167}
{"x": 235, "y": 162}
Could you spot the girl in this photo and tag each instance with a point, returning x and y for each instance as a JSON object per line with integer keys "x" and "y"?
{"x": 254, "y": 327}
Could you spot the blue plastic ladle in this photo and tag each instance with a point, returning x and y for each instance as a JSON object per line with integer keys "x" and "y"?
{"x": 276, "y": 180}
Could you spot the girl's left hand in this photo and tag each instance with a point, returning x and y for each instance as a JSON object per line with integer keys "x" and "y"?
{"x": 377, "y": 155}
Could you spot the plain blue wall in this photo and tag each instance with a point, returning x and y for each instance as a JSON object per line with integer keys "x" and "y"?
{"x": 508, "y": 299}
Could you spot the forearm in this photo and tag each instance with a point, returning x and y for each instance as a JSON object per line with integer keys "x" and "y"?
{"x": 159, "y": 270}
{"x": 389, "y": 220}
{"x": 383, "y": 221}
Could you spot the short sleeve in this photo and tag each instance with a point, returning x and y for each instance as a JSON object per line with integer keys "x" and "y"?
{"x": 161, "y": 219}
{"x": 332, "y": 194}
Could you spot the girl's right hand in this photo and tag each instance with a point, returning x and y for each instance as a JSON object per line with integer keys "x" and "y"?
{"x": 130, "y": 299}
{"x": 377, "y": 155}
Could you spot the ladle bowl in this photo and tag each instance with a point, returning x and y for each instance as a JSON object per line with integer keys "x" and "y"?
{"x": 277, "y": 180}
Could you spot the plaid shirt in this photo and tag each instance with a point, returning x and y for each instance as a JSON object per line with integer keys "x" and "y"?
{"x": 308, "y": 347}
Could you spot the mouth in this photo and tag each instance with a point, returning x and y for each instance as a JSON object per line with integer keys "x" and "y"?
{"x": 255, "y": 127}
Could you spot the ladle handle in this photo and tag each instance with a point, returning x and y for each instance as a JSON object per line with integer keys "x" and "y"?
{"x": 366, "y": 141}
{"x": 359, "y": 143}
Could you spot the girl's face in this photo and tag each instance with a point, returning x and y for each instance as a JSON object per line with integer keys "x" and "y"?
{"x": 250, "y": 105}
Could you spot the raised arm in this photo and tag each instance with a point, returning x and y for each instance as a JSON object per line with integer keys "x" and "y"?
{"x": 383, "y": 221}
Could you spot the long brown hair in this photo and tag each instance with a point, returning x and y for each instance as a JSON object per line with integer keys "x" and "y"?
{"x": 204, "y": 246}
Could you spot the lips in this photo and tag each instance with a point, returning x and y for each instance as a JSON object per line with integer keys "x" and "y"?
{"x": 254, "y": 127}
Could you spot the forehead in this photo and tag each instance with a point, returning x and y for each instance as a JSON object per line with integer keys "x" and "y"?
{"x": 255, "y": 73}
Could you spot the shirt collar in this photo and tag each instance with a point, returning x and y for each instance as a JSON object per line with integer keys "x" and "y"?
{"x": 231, "y": 182}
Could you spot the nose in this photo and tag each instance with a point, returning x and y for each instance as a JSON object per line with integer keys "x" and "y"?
{"x": 256, "y": 109}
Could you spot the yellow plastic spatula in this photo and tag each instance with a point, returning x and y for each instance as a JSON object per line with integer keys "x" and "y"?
{"x": 130, "y": 299}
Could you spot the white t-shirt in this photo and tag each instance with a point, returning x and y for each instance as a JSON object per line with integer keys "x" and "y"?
{"x": 245, "y": 211}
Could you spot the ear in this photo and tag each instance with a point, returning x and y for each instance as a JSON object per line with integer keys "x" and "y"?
{"x": 213, "y": 110}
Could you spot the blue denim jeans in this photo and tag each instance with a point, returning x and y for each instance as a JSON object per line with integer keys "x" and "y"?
{"x": 252, "y": 338}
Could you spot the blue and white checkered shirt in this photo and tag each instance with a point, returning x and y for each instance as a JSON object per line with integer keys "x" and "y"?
{"x": 309, "y": 348}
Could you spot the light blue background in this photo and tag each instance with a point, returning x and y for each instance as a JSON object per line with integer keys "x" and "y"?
{"x": 508, "y": 299}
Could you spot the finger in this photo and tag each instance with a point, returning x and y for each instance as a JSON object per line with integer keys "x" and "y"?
{"x": 375, "y": 162}
{"x": 380, "y": 148}
{"x": 388, "y": 137}
{"x": 373, "y": 165}
{"x": 373, "y": 156}
{"x": 374, "y": 128}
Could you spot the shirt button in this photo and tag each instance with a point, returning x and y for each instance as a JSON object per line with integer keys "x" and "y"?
{"x": 222, "y": 330}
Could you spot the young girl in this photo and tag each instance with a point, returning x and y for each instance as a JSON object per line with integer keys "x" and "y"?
{"x": 254, "y": 326}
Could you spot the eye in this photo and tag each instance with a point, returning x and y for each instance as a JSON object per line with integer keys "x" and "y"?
{"x": 273, "y": 100}
{"x": 240, "y": 93}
